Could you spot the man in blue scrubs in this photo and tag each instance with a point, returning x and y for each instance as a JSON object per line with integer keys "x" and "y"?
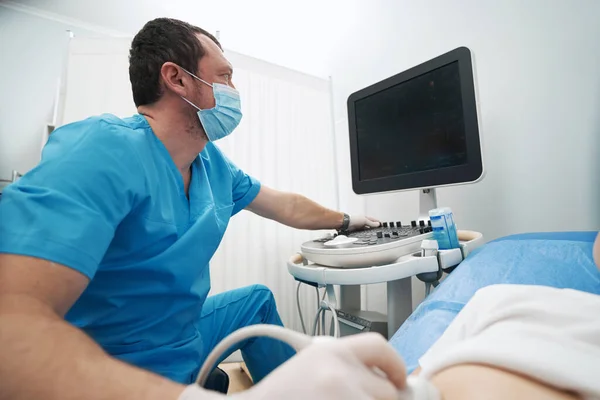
{"x": 114, "y": 229}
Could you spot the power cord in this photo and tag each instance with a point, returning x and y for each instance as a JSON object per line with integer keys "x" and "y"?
{"x": 428, "y": 287}
{"x": 317, "y": 324}
{"x": 300, "y": 308}
{"x": 319, "y": 327}
{"x": 336, "y": 323}
{"x": 321, "y": 313}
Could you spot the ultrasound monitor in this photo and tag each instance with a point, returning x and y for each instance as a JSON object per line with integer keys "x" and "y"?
{"x": 417, "y": 129}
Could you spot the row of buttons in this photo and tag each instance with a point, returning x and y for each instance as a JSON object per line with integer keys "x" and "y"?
{"x": 412, "y": 223}
{"x": 393, "y": 234}
{"x": 365, "y": 242}
{"x": 387, "y": 231}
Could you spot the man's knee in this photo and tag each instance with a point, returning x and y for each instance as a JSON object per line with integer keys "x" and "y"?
{"x": 262, "y": 293}
{"x": 264, "y": 303}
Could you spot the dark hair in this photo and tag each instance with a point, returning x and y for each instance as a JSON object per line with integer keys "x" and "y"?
{"x": 159, "y": 41}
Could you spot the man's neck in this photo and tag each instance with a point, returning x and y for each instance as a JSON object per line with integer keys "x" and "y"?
{"x": 177, "y": 133}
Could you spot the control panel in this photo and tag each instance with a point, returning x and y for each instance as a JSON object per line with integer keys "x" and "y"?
{"x": 368, "y": 247}
{"x": 389, "y": 231}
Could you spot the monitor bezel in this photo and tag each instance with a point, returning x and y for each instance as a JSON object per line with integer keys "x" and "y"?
{"x": 470, "y": 172}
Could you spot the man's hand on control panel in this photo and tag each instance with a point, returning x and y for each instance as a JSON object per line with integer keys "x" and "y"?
{"x": 360, "y": 222}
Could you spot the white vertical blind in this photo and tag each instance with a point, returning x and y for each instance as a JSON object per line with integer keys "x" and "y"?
{"x": 286, "y": 141}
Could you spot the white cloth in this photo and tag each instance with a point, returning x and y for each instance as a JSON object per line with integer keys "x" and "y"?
{"x": 551, "y": 335}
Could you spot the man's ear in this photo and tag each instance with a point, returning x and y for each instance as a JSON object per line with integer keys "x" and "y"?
{"x": 175, "y": 79}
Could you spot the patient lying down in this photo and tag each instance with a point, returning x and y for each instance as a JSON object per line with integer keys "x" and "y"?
{"x": 520, "y": 342}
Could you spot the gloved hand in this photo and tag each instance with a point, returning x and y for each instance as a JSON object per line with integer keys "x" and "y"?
{"x": 335, "y": 369}
{"x": 358, "y": 222}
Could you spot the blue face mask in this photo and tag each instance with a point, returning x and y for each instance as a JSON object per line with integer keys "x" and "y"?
{"x": 226, "y": 115}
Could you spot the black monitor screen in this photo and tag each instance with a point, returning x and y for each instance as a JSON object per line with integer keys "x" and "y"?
{"x": 414, "y": 126}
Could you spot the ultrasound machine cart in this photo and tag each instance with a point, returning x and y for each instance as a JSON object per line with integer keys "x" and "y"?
{"x": 417, "y": 130}
{"x": 396, "y": 274}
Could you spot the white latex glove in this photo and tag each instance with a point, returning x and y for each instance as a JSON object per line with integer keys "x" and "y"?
{"x": 359, "y": 222}
{"x": 335, "y": 369}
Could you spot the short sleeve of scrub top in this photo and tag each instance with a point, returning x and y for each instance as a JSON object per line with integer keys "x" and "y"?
{"x": 245, "y": 187}
{"x": 67, "y": 208}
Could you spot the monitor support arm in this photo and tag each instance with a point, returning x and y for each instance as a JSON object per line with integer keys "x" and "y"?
{"x": 427, "y": 201}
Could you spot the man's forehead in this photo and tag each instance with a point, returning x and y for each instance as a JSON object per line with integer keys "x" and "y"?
{"x": 213, "y": 55}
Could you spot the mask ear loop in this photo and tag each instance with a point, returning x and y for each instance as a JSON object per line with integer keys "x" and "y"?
{"x": 192, "y": 104}
{"x": 200, "y": 79}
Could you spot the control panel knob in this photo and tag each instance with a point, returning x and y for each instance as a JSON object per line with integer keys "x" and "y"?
{"x": 391, "y": 224}
{"x": 421, "y": 230}
{"x": 421, "y": 223}
{"x": 398, "y": 224}
{"x": 385, "y": 225}
{"x": 387, "y": 235}
{"x": 379, "y": 235}
{"x": 429, "y": 223}
{"x": 395, "y": 233}
{"x": 413, "y": 224}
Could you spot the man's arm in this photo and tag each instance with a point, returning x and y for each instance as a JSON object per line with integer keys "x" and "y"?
{"x": 299, "y": 212}
{"x": 294, "y": 210}
{"x": 44, "y": 357}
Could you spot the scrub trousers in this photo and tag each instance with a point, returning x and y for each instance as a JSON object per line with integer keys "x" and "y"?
{"x": 227, "y": 312}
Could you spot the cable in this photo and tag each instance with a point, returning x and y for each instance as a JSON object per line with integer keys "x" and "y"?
{"x": 336, "y": 326}
{"x": 418, "y": 388}
{"x": 299, "y": 308}
{"x": 319, "y": 327}
{"x": 323, "y": 328}
{"x": 428, "y": 286}
{"x": 318, "y": 322}
{"x": 295, "y": 339}
{"x": 335, "y": 322}
{"x": 336, "y": 330}
{"x": 316, "y": 325}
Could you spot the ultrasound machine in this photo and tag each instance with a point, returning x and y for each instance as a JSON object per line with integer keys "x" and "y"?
{"x": 417, "y": 130}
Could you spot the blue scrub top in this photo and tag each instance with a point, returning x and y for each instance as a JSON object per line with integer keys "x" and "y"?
{"x": 108, "y": 201}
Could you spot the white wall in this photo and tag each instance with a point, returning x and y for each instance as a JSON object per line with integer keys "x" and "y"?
{"x": 538, "y": 67}
{"x": 33, "y": 41}
{"x": 33, "y": 50}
